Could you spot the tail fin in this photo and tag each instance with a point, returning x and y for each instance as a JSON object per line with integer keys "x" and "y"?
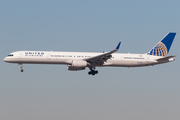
{"x": 162, "y": 48}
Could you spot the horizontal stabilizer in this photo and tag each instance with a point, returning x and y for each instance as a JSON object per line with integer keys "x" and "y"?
{"x": 166, "y": 58}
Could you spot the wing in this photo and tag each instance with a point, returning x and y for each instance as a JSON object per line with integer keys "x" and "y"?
{"x": 100, "y": 59}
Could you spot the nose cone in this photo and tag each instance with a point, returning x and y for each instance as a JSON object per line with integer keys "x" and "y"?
{"x": 5, "y": 59}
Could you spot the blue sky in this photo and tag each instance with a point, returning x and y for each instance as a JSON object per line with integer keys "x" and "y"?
{"x": 46, "y": 92}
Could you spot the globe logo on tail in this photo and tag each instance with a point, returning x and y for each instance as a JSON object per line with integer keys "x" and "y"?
{"x": 159, "y": 50}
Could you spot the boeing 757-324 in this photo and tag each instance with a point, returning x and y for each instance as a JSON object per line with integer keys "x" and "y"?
{"x": 80, "y": 60}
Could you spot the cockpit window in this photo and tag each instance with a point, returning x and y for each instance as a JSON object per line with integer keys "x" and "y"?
{"x": 10, "y": 55}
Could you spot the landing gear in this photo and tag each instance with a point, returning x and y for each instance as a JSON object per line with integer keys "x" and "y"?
{"x": 21, "y": 66}
{"x": 93, "y": 72}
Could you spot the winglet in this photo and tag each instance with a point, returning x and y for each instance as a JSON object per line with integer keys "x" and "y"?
{"x": 117, "y": 48}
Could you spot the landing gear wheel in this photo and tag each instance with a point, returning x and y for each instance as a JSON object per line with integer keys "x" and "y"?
{"x": 89, "y": 73}
{"x": 22, "y": 70}
{"x": 93, "y": 72}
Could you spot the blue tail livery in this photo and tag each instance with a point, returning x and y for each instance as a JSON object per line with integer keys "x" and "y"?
{"x": 162, "y": 48}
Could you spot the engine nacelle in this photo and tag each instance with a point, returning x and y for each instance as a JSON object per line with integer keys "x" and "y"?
{"x": 77, "y": 65}
{"x": 75, "y": 68}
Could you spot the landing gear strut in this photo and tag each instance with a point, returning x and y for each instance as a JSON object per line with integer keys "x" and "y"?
{"x": 21, "y": 66}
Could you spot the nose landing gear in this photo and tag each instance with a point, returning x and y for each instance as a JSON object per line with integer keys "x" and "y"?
{"x": 21, "y": 66}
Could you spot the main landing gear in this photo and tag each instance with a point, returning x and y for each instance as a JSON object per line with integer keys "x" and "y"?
{"x": 93, "y": 72}
{"x": 21, "y": 66}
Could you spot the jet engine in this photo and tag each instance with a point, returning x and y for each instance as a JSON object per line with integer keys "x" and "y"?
{"x": 77, "y": 65}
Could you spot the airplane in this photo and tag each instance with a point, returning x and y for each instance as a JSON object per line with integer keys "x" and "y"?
{"x": 80, "y": 60}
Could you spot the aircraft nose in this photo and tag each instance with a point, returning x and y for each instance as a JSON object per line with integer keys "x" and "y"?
{"x": 5, "y": 59}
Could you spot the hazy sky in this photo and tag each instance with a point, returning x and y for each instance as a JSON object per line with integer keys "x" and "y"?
{"x": 51, "y": 92}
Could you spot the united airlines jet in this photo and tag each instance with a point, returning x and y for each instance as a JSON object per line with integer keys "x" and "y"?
{"x": 80, "y": 60}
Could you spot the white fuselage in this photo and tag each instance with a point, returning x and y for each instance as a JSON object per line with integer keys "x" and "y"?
{"x": 80, "y": 60}
{"x": 54, "y": 57}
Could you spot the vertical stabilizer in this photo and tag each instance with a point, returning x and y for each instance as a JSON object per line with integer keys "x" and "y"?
{"x": 163, "y": 47}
